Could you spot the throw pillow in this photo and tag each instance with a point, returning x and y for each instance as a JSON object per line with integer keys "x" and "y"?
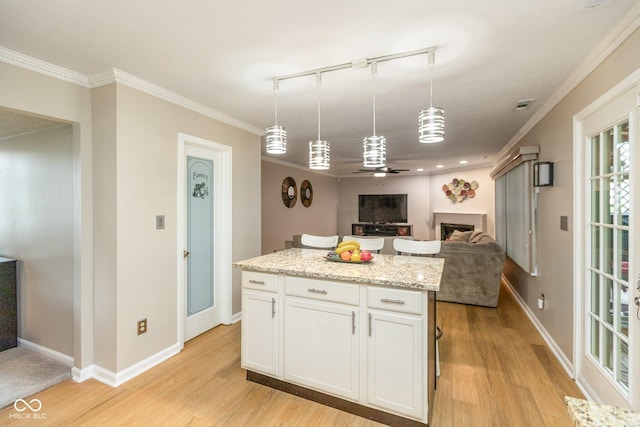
{"x": 477, "y": 235}
{"x": 460, "y": 236}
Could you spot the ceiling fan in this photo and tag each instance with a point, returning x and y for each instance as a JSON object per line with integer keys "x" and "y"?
{"x": 381, "y": 170}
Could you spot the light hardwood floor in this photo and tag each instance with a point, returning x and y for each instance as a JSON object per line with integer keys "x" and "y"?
{"x": 495, "y": 371}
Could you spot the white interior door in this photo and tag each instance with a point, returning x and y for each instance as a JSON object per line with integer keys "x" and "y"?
{"x": 205, "y": 276}
{"x": 609, "y": 324}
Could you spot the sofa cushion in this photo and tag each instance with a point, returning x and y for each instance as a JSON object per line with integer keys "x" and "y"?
{"x": 460, "y": 236}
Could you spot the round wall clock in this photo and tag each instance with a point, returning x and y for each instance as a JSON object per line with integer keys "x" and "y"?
{"x": 306, "y": 193}
{"x": 289, "y": 192}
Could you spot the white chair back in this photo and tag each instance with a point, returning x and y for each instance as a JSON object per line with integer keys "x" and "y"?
{"x": 319, "y": 242}
{"x": 373, "y": 244}
{"x": 416, "y": 247}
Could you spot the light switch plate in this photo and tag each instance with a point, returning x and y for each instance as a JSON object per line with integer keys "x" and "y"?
{"x": 159, "y": 222}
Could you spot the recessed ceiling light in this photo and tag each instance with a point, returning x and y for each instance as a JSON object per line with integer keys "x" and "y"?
{"x": 419, "y": 170}
{"x": 439, "y": 166}
{"x": 463, "y": 162}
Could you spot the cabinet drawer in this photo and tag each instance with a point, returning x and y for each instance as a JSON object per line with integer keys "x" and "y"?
{"x": 322, "y": 290}
{"x": 399, "y": 300}
{"x": 261, "y": 281}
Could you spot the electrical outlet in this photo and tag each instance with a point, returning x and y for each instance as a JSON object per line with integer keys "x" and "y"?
{"x": 159, "y": 222}
{"x": 142, "y": 326}
{"x": 564, "y": 223}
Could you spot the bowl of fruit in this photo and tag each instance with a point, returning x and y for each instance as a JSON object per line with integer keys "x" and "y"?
{"x": 349, "y": 251}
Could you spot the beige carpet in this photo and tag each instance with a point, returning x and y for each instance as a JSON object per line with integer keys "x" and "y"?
{"x": 25, "y": 372}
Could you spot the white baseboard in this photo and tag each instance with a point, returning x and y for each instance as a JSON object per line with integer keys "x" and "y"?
{"x": 80, "y": 375}
{"x": 115, "y": 379}
{"x": 60, "y": 357}
{"x": 555, "y": 349}
{"x": 236, "y": 317}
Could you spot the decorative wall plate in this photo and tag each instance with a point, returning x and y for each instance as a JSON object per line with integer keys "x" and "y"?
{"x": 289, "y": 192}
{"x": 458, "y": 190}
{"x": 306, "y": 193}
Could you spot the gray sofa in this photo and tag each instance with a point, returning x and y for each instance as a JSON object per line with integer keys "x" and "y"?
{"x": 472, "y": 269}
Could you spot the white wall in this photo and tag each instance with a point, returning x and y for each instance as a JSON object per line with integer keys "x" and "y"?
{"x": 280, "y": 223}
{"x": 418, "y": 200}
{"x": 483, "y": 202}
{"x": 36, "y": 227}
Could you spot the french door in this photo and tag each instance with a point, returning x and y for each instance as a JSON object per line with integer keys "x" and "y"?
{"x": 609, "y": 326}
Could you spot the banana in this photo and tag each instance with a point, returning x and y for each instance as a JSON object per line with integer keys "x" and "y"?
{"x": 350, "y": 243}
{"x": 345, "y": 248}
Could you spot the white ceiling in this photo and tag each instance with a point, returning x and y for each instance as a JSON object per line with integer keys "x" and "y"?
{"x": 223, "y": 54}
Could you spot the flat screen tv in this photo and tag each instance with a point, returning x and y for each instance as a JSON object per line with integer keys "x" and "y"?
{"x": 382, "y": 208}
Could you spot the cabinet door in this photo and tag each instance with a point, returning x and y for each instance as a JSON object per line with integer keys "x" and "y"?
{"x": 321, "y": 346}
{"x": 260, "y": 332}
{"x": 395, "y": 363}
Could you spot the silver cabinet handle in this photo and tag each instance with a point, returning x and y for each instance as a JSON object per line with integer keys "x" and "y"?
{"x": 353, "y": 322}
{"x": 317, "y": 291}
{"x": 392, "y": 301}
{"x": 273, "y": 307}
{"x": 369, "y": 324}
{"x": 257, "y": 282}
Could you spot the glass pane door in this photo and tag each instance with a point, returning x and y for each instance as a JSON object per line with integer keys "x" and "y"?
{"x": 608, "y": 285}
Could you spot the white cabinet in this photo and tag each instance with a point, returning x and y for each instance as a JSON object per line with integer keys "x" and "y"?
{"x": 321, "y": 346}
{"x": 364, "y": 344}
{"x": 395, "y": 363}
{"x": 321, "y": 340}
{"x": 396, "y": 367}
{"x": 260, "y": 324}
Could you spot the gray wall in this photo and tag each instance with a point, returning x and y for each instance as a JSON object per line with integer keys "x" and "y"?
{"x": 36, "y": 228}
{"x": 554, "y": 134}
{"x": 280, "y": 223}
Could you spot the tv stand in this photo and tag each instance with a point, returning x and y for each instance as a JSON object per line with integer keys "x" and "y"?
{"x": 376, "y": 229}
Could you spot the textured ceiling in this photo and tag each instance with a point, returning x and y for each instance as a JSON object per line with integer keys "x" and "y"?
{"x": 223, "y": 54}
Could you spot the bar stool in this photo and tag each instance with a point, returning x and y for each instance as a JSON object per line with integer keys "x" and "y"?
{"x": 319, "y": 242}
{"x": 372, "y": 244}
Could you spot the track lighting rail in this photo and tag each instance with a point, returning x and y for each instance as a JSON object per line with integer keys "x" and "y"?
{"x": 359, "y": 63}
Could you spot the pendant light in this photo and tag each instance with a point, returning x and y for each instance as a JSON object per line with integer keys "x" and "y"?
{"x": 374, "y": 147}
{"x": 319, "y": 150}
{"x": 431, "y": 120}
{"x": 276, "y": 136}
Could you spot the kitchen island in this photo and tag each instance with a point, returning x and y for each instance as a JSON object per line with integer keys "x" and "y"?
{"x": 356, "y": 336}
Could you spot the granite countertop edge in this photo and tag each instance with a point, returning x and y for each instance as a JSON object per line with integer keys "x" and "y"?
{"x": 314, "y": 266}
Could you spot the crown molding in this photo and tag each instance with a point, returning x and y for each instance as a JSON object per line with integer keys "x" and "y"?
{"x": 113, "y": 75}
{"x": 42, "y": 67}
{"x": 607, "y": 45}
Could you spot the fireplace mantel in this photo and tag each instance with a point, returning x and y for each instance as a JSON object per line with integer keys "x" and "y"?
{"x": 477, "y": 219}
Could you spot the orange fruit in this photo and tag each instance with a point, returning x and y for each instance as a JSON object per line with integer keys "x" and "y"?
{"x": 346, "y": 255}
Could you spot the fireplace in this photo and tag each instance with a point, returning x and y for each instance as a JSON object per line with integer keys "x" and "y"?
{"x": 477, "y": 220}
{"x": 447, "y": 228}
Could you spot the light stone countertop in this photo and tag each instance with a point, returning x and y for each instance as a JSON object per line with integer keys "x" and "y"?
{"x": 421, "y": 273}
{"x": 587, "y": 414}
